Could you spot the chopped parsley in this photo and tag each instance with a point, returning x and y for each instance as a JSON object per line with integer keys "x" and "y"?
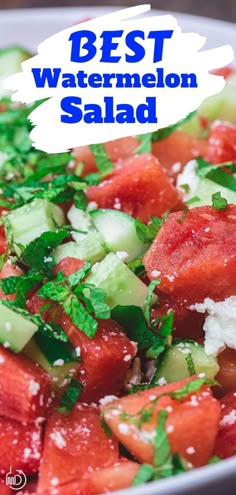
{"x": 78, "y": 299}
{"x": 166, "y": 131}
{"x": 146, "y": 143}
{"x": 147, "y": 233}
{"x": 218, "y": 173}
{"x": 103, "y": 162}
{"x": 70, "y": 396}
{"x": 218, "y": 202}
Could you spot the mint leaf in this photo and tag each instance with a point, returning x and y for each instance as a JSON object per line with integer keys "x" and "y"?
{"x": 131, "y": 319}
{"x": 144, "y": 474}
{"x": 149, "y": 299}
{"x": 3, "y": 260}
{"x": 217, "y": 173}
{"x": 21, "y": 285}
{"x": 166, "y": 131}
{"x": 190, "y": 364}
{"x": 103, "y": 162}
{"x": 80, "y": 200}
{"x": 97, "y": 299}
{"x": 38, "y": 255}
{"x": 147, "y": 233}
{"x": 70, "y": 396}
{"x": 161, "y": 442}
{"x": 218, "y": 202}
{"x": 80, "y": 316}
{"x": 146, "y": 143}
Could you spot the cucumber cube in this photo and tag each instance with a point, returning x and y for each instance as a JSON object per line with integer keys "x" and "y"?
{"x": 173, "y": 366}
{"x": 119, "y": 282}
{"x": 15, "y": 329}
{"x": 119, "y": 232}
{"x": 60, "y": 373}
{"x": 80, "y": 220}
{"x": 30, "y": 221}
{"x": 91, "y": 249}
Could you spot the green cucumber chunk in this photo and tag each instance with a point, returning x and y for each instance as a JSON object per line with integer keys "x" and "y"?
{"x": 80, "y": 220}
{"x": 223, "y": 105}
{"x": 119, "y": 232}
{"x": 206, "y": 188}
{"x": 91, "y": 248}
{"x": 15, "y": 329}
{"x": 54, "y": 358}
{"x": 11, "y": 58}
{"x": 121, "y": 285}
{"x": 173, "y": 366}
{"x": 30, "y": 221}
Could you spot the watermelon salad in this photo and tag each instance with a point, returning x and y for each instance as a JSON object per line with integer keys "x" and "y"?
{"x": 117, "y": 302}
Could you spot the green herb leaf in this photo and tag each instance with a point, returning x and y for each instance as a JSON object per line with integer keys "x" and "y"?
{"x": 38, "y": 255}
{"x": 137, "y": 267}
{"x": 144, "y": 474}
{"x": 3, "y": 260}
{"x": 80, "y": 316}
{"x": 80, "y": 200}
{"x": 131, "y": 319}
{"x": 218, "y": 202}
{"x": 149, "y": 299}
{"x": 190, "y": 364}
{"x": 103, "y": 162}
{"x": 97, "y": 298}
{"x": 217, "y": 173}
{"x": 21, "y": 285}
{"x": 166, "y": 131}
{"x": 161, "y": 442}
{"x": 146, "y": 143}
{"x": 147, "y": 233}
{"x": 70, "y": 396}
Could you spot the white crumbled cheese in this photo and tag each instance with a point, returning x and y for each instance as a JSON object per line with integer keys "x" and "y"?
{"x": 8, "y": 326}
{"x": 2, "y": 360}
{"x": 155, "y": 273}
{"x": 6, "y": 345}
{"x": 127, "y": 357}
{"x": 122, "y": 255}
{"x": 117, "y": 204}
{"x": 58, "y": 439}
{"x": 59, "y": 362}
{"x": 47, "y": 259}
{"x": 26, "y": 454}
{"x": 188, "y": 176}
{"x": 169, "y": 409}
{"x": 54, "y": 481}
{"x": 170, "y": 428}
{"x": 33, "y": 387}
{"x": 108, "y": 398}
{"x": 176, "y": 167}
{"x": 92, "y": 205}
{"x": 190, "y": 450}
{"x": 219, "y": 325}
{"x": 162, "y": 381}
{"x": 123, "y": 428}
{"x": 229, "y": 419}
{"x": 202, "y": 375}
{"x": 78, "y": 351}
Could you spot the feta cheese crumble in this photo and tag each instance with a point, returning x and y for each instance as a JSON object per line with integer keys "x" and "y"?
{"x": 220, "y": 324}
{"x": 188, "y": 176}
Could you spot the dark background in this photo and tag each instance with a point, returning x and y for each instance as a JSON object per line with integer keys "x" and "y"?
{"x": 219, "y": 9}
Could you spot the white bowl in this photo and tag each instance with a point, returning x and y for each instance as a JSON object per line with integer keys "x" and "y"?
{"x": 29, "y": 28}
